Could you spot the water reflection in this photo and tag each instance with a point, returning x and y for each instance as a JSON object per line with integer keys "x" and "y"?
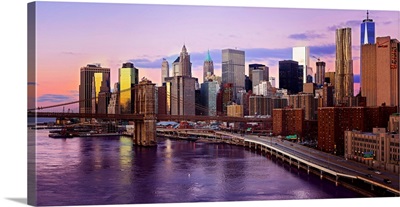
{"x": 101, "y": 170}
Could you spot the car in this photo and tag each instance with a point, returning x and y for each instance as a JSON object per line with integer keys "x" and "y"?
{"x": 387, "y": 181}
{"x": 369, "y": 175}
{"x": 378, "y": 172}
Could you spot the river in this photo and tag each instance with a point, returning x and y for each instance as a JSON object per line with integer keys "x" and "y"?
{"x": 111, "y": 170}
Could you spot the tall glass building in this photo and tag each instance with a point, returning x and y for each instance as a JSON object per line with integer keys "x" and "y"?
{"x": 367, "y": 31}
{"x": 233, "y": 69}
{"x": 302, "y": 56}
{"x": 128, "y": 77}
{"x": 93, "y": 80}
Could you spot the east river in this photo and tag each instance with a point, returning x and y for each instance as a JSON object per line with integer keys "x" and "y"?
{"x": 111, "y": 170}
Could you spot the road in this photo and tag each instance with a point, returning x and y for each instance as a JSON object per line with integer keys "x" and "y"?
{"x": 336, "y": 163}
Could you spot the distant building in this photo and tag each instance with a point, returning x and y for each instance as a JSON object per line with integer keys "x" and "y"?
{"x": 289, "y": 76}
{"x": 320, "y": 74}
{"x": 378, "y": 149}
{"x": 288, "y": 122}
{"x": 182, "y": 65}
{"x": 208, "y": 66}
{"x": 309, "y": 88}
{"x": 265, "y": 71}
{"x": 258, "y": 76}
{"x": 380, "y": 72}
{"x": 264, "y": 88}
{"x": 128, "y": 78}
{"x": 224, "y": 98}
{"x": 368, "y": 64}
{"x": 161, "y": 100}
{"x": 244, "y": 99}
{"x": 209, "y": 91}
{"x": 306, "y": 102}
{"x": 387, "y": 78}
{"x": 330, "y": 78}
{"x": 185, "y": 66}
{"x": 248, "y": 84}
{"x": 233, "y": 69}
{"x": 164, "y": 70}
{"x": 369, "y": 73}
{"x": 367, "y": 29}
{"x": 235, "y": 110}
{"x": 181, "y": 95}
{"x": 93, "y": 80}
{"x": 302, "y": 56}
{"x": 327, "y": 96}
{"x": 113, "y": 105}
{"x": 272, "y": 81}
{"x": 344, "y": 82}
{"x": 262, "y": 105}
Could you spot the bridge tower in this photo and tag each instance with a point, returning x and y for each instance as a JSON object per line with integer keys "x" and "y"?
{"x": 145, "y": 130}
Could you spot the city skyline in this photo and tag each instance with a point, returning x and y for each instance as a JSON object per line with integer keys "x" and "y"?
{"x": 106, "y": 39}
{"x": 14, "y": 39}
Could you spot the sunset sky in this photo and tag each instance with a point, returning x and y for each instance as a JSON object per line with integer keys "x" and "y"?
{"x": 72, "y": 35}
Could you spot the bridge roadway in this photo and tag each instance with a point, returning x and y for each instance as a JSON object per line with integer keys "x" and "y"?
{"x": 159, "y": 117}
{"x": 297, "y": 154}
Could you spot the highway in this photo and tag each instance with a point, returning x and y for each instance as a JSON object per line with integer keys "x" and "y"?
{"x": 335, "y": 163}
{"x": 328, "y": 163}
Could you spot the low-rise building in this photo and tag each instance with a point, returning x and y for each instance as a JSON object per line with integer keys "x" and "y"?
{"x": 378, "y": 149}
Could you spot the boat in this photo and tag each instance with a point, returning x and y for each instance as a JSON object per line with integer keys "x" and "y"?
{"x": 61, "y": 134}
{"x": 58, "y": 135}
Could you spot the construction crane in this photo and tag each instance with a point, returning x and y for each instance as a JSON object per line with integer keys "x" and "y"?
{"x": 318, "y": 59}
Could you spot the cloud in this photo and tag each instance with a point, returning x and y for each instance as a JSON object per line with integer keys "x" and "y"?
{"x": 324, "y": 50}
{"x": 69, "y": 53}
{"x": 74, "y": 92}
{"x": 350, "y": 23}
{"x": 55, "y": 98}
{"x": 310, "y": 35}
{"x": 146, "y": 63}
{"x": 269, "y": 56}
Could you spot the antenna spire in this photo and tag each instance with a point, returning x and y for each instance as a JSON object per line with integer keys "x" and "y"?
{"x": 367, "y": 14}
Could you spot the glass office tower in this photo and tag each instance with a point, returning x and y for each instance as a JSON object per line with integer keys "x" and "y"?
{"x": 128, "y": 77}
{"x": 367, "y": 31}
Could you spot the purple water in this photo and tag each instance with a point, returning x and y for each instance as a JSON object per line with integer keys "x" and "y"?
{"x": 101, "y": 170}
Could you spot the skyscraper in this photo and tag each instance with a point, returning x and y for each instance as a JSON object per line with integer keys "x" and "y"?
{"x": 93, "y": 80}
{"x": 302, "y": 56}
{"x": 368, "y": 73}
{"x": 289, "y": 76}
{"x": 367, "y": 31}
{"x": 208, "y": 67}
{"x": 257, "y": 66}
{"x": 164, "y": 70}
{"x": 209, "y": 90}
{"x": 180, "y": 94}
{"x": 233, "y": 69}
{"x": 344, "y": 83}
{"x": 185, "y": 66}
{"x": 387, "y": 77}
{"x": 258, "y": 76}
{"x": 128, "y": 77}
{"x": 320, "y": 75}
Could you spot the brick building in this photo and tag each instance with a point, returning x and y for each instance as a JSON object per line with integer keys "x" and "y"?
{"x": 288, "y": 122}
{"x": 334, "y": 121}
